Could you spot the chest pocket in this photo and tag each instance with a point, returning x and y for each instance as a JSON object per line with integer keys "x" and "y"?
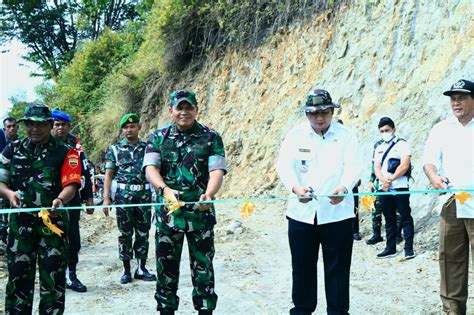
{"x": 169, "y": 154}
{"x": 201, "y": 151}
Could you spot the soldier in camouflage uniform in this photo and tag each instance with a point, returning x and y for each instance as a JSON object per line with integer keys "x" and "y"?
{"x": 185, "y": 160}
{"x": 123, "y": 163}
{"x": 10, "y": 130}
{"x": 61, "y": 131}
{"x": 37, "y": 171}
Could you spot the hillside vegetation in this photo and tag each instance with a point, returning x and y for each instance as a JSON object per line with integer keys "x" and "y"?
{"x": 135, "y": 68}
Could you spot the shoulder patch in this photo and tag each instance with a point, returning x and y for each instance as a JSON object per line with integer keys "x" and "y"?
{"x": 73, "y": 160}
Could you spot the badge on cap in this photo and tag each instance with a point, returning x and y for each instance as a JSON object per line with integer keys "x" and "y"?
{"x": 459, "y": 85}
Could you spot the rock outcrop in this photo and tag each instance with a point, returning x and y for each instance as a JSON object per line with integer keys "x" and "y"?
{"x": 377, "y": 58}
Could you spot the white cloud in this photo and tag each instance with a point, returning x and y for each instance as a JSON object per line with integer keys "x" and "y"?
{"x": 15, "y": 75}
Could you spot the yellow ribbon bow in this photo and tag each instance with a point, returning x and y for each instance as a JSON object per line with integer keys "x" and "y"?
{"x": 44, "y": 215}
{"x": 462, "y": 196}
{"x": 247, "y": 210}
{"x": 367, "y": 202}
{"x": 174, "y": 204}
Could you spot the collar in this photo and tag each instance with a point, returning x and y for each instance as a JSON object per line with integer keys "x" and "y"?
{"x": 52, "y": 142}
{"x": 454, "y": 121}
{"x": 196, "y": 130}
{"x": 332, "y": 129}
{"x": 124, "y": 143}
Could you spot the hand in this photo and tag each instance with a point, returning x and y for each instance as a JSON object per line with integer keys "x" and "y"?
{"x": 386, "y": 182}
{"x": 302, "y": 193}
{"x": 57, "y": 203}
{"x": 338, "y": 191}
{"x": 89, "y": 203}
{"x": 205, "y": 206}
{"x": 106, "y": 202}
{"x": 171, "y": 193}
{"x": 14, "y": 198}
{"x": 438, "y": 182}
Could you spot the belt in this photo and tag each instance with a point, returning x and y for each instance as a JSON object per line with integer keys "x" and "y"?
{"x": 133, "y": 187}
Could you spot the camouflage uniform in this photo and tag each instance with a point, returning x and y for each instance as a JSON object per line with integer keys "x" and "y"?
{"x": 36, "y": 170}
{"x": 4, "y": 204}
{"x": 185, "y": 160}
{"x": 377, "y": 212}
{"x": 127, "y": 160}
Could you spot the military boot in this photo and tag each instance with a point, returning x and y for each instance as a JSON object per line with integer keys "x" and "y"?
{"x": 142, "y": 273}
{"x": 204, "y": 312}
{"x": 73, "y": 283}
{"x": 376, "y": 238}
{"x": 166, "y": 311}
{"x": 127, "y": 275}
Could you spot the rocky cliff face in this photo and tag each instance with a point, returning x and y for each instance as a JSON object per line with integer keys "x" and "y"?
{"x": 377, "y": 58}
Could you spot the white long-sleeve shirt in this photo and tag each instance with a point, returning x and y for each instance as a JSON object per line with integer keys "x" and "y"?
{"x": 322, "y": 163}
{"x": 450, "y": 147}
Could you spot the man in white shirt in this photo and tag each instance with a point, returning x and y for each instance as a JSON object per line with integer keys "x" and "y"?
{"x": 320, "y": 157}
{"x": 449, "y": 163}
{"x": 391, "y": 165}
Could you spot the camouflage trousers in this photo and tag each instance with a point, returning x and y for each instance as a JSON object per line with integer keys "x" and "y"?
{"x": 133, "y": 220}
{"x": 377, "y": 214}
{"x": 4, "y": 204}
{"x": 3, "y": 227}
{"x": 29, "y": 241}
{"x": 169, "y": 245}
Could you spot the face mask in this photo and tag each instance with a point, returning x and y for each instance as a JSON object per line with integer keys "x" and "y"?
{"x": 386, "y": 136}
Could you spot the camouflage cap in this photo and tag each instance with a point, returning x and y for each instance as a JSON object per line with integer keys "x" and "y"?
{"x": 179, "y": 96}
{"x": 318, "y": 99}
{"x": 37, "y": 112}
{"x": 129, "y": 118}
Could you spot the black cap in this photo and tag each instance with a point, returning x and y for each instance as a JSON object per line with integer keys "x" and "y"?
{"x": 462, "y": 86}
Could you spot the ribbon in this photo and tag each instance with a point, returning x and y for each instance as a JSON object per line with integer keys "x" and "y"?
{"x": 368, "y": 202}
{"x": 247, "y": 210}
{"x": 462, "y": 196}
{"x": 172, "y": 204}
{"x": 44, "y": 215}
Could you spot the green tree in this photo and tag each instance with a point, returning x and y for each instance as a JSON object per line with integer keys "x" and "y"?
{"x": 51, "y": 30}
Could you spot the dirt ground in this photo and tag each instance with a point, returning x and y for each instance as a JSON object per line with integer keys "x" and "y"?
{"x": 253, "y": 271}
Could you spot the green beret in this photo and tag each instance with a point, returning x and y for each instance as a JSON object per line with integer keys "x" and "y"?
{"x": 129, "y": 118}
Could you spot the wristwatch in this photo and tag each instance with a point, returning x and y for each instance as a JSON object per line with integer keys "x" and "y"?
{"x": 160, "y": 189}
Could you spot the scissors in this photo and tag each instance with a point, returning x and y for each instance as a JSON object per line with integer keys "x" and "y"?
{"x": 311, "y": 193}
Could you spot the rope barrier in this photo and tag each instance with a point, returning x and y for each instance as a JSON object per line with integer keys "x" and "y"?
{"x": 242, "y": 200}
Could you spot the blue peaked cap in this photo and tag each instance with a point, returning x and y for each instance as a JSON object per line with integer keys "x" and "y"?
{"x": 59, "y": 115}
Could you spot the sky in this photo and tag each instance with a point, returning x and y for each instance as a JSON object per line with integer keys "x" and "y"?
{"x": 15, "y": 79}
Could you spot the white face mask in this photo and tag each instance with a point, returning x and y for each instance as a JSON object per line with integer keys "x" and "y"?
{"x": 386, "y": 136}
